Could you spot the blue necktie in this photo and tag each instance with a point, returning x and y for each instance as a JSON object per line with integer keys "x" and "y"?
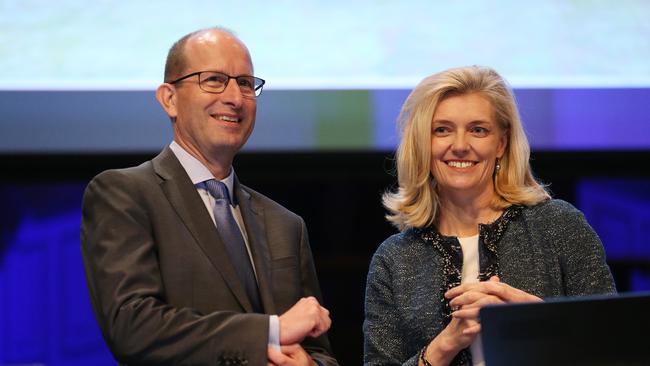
{"x": 233, "y": 240}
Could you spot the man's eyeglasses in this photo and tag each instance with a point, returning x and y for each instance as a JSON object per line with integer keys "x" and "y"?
{"x": 216, "y": 82}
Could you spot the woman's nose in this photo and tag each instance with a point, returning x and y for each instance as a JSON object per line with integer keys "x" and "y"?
{"x": 460, "y": 144}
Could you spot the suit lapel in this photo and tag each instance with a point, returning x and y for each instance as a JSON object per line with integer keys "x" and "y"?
{"x": 253, "y": 215}
{"x": 183, "y": 196}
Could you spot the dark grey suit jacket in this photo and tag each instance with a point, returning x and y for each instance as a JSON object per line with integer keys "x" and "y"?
{"x": 161, "y": 284}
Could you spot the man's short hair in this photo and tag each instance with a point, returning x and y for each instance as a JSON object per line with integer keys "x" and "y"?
{"x": 176, "y": 61}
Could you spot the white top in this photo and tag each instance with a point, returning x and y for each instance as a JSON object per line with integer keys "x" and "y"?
{"x": 469, "y": 274}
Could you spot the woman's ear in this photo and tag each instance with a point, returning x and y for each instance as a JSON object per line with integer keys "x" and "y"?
{"x": 166, "y": 95}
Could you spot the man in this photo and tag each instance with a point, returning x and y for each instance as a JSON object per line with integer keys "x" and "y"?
{"x": 183, "y": 269}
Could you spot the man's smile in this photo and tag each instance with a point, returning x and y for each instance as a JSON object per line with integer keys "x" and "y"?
{"x": 226, "y": 118}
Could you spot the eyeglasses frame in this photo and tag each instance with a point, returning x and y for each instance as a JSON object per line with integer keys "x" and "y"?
{"x": 256, "y": 91}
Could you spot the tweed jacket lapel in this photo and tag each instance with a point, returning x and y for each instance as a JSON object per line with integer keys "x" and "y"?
{"x": 185, "y": 200}
{"x": 253, "y": 214}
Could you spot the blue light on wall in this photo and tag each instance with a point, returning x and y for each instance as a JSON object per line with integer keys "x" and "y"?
{"x": 45, "y": 312}
{"x": 619, "y": 211}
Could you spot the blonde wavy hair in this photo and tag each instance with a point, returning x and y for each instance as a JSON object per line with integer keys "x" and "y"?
{"x": 415, "y": 203}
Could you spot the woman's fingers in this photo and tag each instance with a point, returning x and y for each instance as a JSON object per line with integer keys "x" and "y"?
{"x": 474, "y": 299}
{"x": 472, "y": 330}
{"x": 493, "y": 287}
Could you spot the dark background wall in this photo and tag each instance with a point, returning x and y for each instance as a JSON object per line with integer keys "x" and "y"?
{"x": 45, "y": 315}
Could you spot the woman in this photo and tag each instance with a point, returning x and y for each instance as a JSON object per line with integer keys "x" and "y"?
{"x": 476, "y": 228}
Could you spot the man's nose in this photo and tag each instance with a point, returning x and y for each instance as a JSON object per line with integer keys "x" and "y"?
{"x": 232, "y": 94}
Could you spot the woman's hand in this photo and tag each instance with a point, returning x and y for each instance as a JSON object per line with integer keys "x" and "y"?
{"x": 457, "y": 335}
{"x": 467, "y": 299}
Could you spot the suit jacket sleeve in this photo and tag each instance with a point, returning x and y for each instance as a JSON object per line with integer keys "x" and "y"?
{"x": 128, "y": 292}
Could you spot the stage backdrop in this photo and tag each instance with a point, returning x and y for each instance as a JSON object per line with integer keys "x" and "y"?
{"x": 77, "y": 83}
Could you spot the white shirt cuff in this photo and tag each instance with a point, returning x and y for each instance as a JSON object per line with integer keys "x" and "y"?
{"x": 274, "y": 332}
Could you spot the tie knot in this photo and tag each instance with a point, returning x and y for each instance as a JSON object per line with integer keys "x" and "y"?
{"x": 218, "y": 190}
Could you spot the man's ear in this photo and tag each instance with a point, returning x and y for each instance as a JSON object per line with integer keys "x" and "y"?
{"x": 166, "y": 95}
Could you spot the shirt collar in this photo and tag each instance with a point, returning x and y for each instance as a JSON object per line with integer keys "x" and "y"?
{"x": 198, "y": 172}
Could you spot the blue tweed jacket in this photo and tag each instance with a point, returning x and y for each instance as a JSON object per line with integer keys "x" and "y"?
{"x": 548, "y": 250}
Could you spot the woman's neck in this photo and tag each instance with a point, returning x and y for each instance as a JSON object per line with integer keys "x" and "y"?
{"x": 460, "y": 217}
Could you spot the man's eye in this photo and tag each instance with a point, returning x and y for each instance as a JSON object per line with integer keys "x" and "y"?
{"x": 245, "y": 82}
{"x": 215, "y": 79}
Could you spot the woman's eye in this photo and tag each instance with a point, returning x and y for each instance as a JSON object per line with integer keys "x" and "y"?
{"x": 480, "y": 131}
{"x": 440, "y": 130}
